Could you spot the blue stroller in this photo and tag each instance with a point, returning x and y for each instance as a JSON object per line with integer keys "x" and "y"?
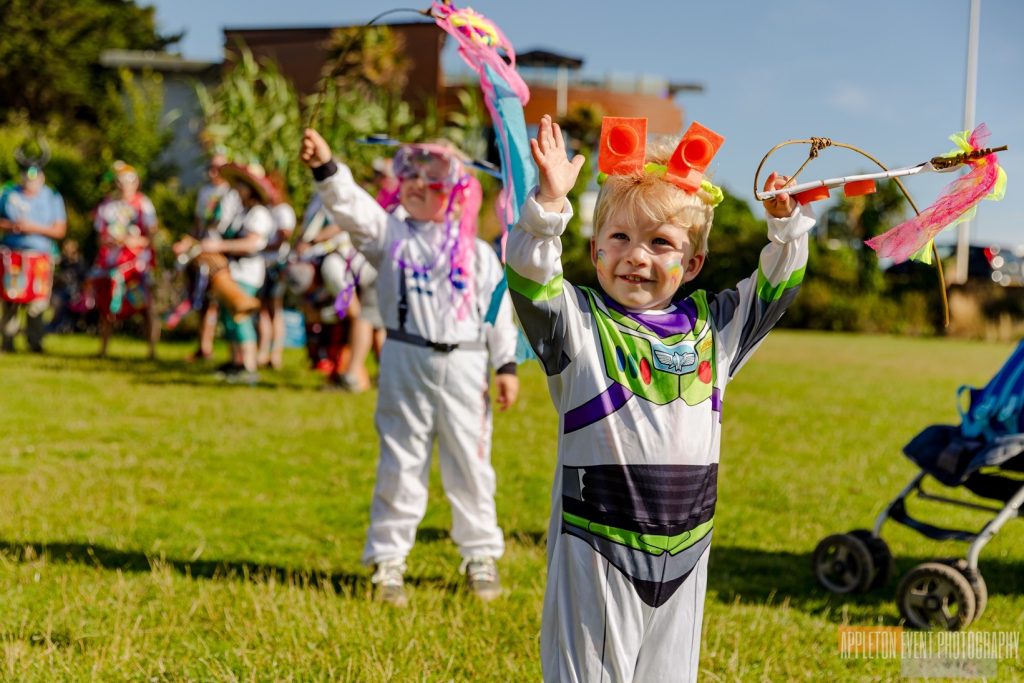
{"x": 985, "y": 455}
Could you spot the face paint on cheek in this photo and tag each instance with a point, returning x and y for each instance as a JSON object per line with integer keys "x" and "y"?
{"x": 675, "y": 271}
{"x": 601, "y": 265}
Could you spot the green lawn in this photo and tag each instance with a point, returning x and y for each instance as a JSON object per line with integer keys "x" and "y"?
{"x": 157, "y": 525}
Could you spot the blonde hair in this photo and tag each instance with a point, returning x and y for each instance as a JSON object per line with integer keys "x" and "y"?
{"x": 644, "y": 197}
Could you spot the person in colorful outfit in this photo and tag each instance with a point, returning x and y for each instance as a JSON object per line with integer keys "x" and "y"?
{"x": 638, "y": 374}
{"x": 337, "y": 285}
{"x": 437, "y": 283}
{"x": 121, "y": 278}
{"x": 216, "y": 206}
{"x": 351, "y": 281}
{"x": 241, "y": 240}
{"x": 32, "y": 220}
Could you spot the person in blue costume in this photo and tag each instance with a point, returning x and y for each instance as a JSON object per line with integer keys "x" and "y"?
{"x": 32, "y": 221}
{"x": 638, "y": 374}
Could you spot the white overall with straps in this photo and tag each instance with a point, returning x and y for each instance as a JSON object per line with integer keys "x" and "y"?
{"x": 434, "y": 375}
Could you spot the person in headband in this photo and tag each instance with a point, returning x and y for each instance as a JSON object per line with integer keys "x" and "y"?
{"x": 32, "y": 220}
{"x": 637, "y": 369}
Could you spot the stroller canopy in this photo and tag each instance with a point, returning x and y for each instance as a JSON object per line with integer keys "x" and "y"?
{"x": 990, "y": 435}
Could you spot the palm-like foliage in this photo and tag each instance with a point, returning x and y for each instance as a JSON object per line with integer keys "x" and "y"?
{"x": 369, "y": 59}
{"x": 255, "y": 116}
{"x": 856, "y": 219}
{"x": 143, "y": 131}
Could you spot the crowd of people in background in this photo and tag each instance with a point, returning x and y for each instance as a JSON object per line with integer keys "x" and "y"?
{"x": 246, "y": 261}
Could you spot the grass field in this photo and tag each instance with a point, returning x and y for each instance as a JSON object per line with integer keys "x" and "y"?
{"x": 156, "y": 525}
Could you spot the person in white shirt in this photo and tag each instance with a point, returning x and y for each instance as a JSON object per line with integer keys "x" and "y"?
{"x": 241, "y": 240}
{"x": 216, "y": 206}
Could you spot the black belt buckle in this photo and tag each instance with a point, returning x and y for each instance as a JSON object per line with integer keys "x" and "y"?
{"x": 443, "y": 348}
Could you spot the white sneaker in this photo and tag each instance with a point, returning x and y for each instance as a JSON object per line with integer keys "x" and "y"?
{"x": 351, "y": 384}
{"x": 389, "y": 580}
{"x": 482, "y": 577}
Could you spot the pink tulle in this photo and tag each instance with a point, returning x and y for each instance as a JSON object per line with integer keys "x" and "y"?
{"x": 388, "y": 198}
{"x": 959, "y": 197}
{"x": 470, "y": 195}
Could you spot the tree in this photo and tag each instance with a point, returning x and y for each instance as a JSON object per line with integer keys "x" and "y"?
{"x": 50, "y": 53}
{"x": 255, "y": 116}
{"x": 856, "y": 219}
{"x": 371, "y": 59}
{"x": 734, "y": 245}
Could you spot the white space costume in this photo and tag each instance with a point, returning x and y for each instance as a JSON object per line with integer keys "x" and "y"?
{"x": 434, "y": 373}
{"x": 639, "y": 396}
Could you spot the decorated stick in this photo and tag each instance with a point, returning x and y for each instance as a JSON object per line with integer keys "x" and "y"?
{"x": 936, "y": 164}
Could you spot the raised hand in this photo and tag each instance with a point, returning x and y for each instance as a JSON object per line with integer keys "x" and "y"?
{"x": 557, "y": 173}
{"x": 781, "y": 205}
{"x": 315, "y": 150}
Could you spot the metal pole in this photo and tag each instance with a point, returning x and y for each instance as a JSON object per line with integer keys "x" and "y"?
{"x": 562, "y": 91}
{"x": 963, "y": 242}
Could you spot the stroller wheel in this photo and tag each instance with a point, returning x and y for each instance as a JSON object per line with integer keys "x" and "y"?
{"x": 842, "y": 563}
{"x": 880, "y": 555}
{"x": 935, "y": 594}
{"x": 977, "y": 582}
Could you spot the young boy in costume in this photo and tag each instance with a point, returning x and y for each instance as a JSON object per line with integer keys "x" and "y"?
{"x": 436, "y": 283}
{"x": 638, "y": 374}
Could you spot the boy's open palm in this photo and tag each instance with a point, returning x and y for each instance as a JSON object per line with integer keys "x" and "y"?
{"x": 557, "y": 173}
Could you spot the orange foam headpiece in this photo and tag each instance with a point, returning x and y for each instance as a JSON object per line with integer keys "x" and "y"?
{"x": 623, "y": 149}
{"x": 623, "y": 145}
{"x": 692, "y": 156}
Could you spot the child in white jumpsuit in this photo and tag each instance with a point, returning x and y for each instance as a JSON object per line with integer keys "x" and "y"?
{"x": 434, "y": 376}
{"x": 638, "y": 375}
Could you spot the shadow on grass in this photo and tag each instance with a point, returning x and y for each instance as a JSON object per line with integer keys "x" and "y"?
{"x": 529, "y": 538}
{"x": 349, "y": 584}
{"x": 159, "y": 372}
{"x": 751, "y": 575}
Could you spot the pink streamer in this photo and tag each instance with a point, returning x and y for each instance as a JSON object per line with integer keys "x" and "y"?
{"x": 463, "y": 252}
{"x": 479, "y": 55}
{"x": 959, "y": 197}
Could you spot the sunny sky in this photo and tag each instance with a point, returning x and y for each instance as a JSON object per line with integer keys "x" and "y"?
{"x": 884, "y": 75}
